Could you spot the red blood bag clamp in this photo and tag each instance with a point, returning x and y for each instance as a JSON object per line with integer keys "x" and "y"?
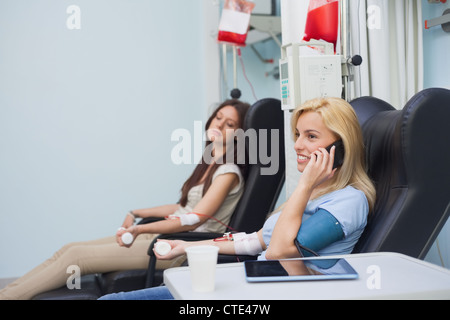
{"x": 235, "y": 21}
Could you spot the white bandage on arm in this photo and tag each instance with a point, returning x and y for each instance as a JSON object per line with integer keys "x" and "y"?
{"x": 247, "y": 244}
{"x": 189, "y": 219}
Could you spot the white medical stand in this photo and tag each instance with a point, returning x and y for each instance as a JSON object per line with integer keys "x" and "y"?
{"x": 307, "y": 70}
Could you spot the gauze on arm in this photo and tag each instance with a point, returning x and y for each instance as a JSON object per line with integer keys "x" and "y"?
{"x": 189, "y": 219}
{"x": 247, "y": 244}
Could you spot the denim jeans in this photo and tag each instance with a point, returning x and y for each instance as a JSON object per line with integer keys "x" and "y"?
{"x": 154, "y": 293}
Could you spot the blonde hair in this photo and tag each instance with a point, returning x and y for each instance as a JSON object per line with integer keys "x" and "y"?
{"x": 339, "y": 117}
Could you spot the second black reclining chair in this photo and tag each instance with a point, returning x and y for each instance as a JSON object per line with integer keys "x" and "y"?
{"x": 261, "y": 192}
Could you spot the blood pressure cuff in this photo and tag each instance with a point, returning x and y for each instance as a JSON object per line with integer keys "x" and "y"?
{"x": 318, "y": 232}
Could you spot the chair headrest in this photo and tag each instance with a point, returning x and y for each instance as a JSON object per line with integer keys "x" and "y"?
{"x": 408, "y": 156}
{"x": 366, "y": 107}
{"x": 265, "y": 114}
{"x": 262, "y": 191}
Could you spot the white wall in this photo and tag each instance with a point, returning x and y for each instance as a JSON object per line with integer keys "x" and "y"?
{"x": 436, "y": 48}
{"x": 437, "y": 70}
{"x": 258, "y": 73}
{"x": 86, "y": 116}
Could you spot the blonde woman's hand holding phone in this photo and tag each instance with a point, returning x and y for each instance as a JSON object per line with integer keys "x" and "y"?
{"x": 319, "y": 168}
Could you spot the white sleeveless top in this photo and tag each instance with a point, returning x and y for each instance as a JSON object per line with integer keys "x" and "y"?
{"x": 225, "y": 211}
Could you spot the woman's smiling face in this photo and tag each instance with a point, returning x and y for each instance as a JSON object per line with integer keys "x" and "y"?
{"x": 311, "y": 134}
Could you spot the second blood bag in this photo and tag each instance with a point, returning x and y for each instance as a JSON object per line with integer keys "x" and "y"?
{"x": 235, "y": 21}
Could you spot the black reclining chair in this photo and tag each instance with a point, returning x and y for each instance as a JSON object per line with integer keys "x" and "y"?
{"x": 408, "y": 158}
{"x": 259, "y": 198}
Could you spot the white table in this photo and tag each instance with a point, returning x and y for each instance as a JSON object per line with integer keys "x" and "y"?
{"x": 381, "y": 276}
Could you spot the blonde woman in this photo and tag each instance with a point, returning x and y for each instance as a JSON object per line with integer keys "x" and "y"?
{"x": 338, "y": 197}
{"x": 347, "y": 193}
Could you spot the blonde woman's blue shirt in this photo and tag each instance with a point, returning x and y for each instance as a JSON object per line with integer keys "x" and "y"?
{"x": 350, "y": 208}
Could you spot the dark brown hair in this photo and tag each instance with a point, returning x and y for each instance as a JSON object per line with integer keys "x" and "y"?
{"x": 202, "y": 167}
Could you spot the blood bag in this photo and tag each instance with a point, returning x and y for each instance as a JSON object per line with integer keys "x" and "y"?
{"x": 322, "y": 22}
{"x": 235, "y": 21}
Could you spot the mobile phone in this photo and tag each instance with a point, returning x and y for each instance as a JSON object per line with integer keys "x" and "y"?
{"x": 338, "y": 153}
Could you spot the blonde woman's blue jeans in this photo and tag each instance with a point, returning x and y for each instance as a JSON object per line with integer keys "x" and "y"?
{"x": 154, "y": 293}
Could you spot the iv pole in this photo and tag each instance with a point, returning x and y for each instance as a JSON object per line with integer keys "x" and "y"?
{"x": 347, "y": 62}
{"x": 235, "y": 92}
{"x": 345, "y": 47}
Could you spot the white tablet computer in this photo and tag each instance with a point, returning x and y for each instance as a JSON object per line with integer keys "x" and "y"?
{"x": 298, "y": 270}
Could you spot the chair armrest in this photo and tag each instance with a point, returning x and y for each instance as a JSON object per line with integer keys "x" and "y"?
{"x": 149, "y": 220}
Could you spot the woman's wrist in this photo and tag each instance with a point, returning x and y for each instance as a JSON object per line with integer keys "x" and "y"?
{"x": 137, "y": 229}
{"x": 133, "y": 215}
{"x": 304, "y": 189}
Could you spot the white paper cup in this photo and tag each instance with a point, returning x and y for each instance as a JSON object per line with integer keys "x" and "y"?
{"x": 202, "y": 262}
